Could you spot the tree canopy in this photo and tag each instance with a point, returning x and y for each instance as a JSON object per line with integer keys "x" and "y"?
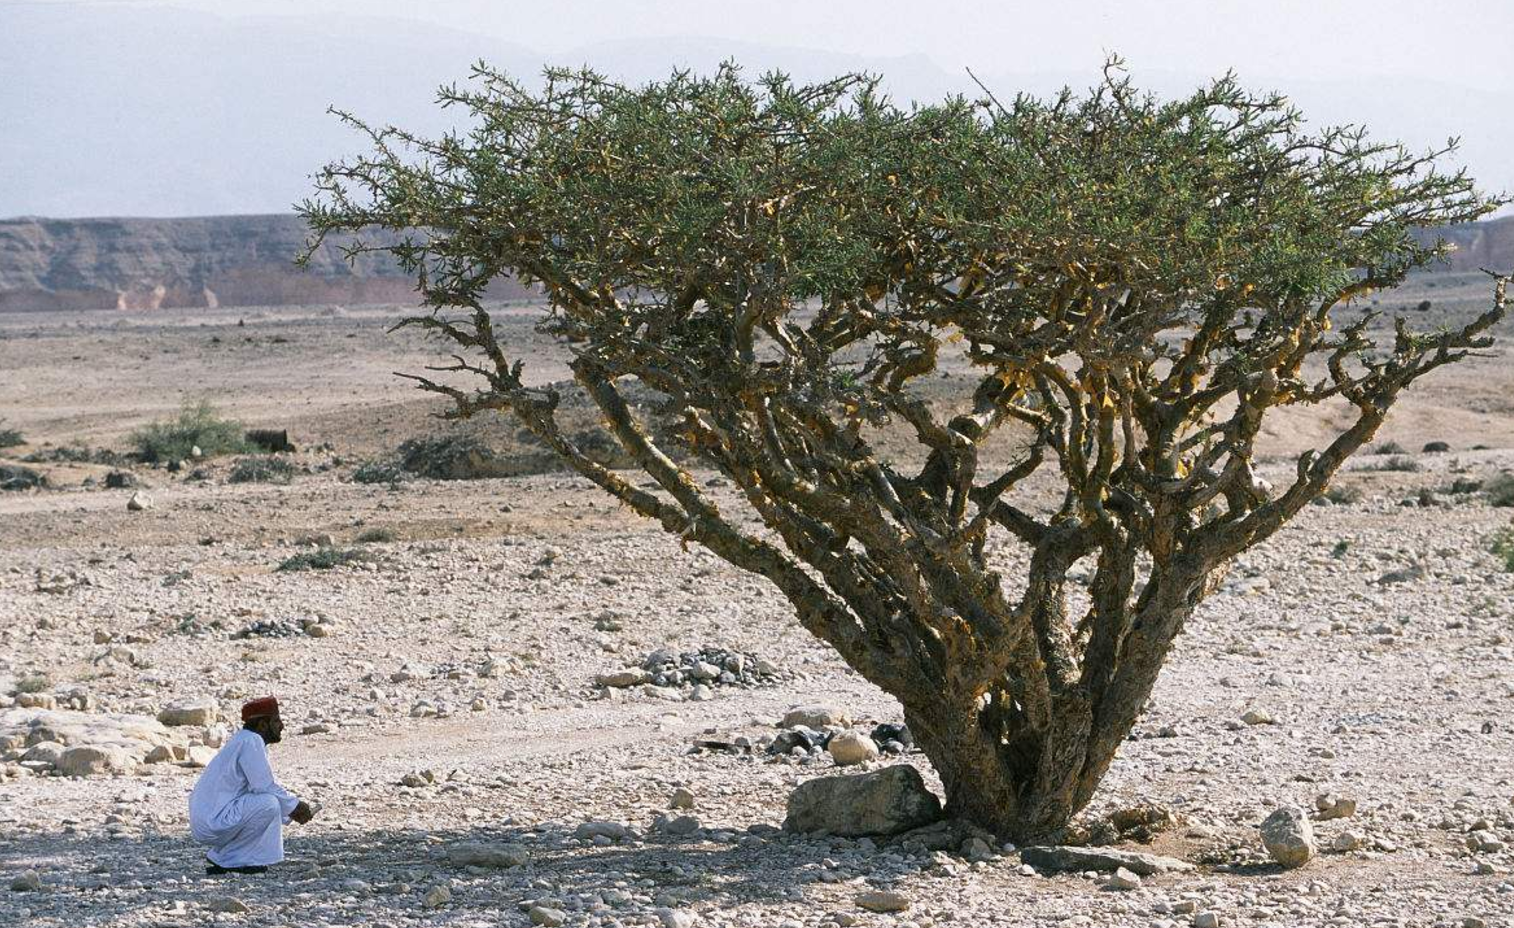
{"x": 1135, "y": 282}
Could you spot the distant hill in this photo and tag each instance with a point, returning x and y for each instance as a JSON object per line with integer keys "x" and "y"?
{"x": 1487, "y": 244}
{"x": 203, "y": 261}
{"x": 248, "y": 261}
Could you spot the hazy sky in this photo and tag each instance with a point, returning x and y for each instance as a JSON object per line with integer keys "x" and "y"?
{"x": 1465, "y": 41}
{"x": 152, "y": 107}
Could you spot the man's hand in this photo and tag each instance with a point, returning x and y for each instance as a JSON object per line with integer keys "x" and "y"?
{"x": 302, "y": 813}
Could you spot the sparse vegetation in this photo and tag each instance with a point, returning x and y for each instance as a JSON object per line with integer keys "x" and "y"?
{"x": 324, "y": 558}
{"x": 1389, "y": 447}
{"x": 1137, "y": 284}
{"x": 373, "y": 536}
{"x": 1340, "y": 549}
{"x": 10, "y": 438}
{"x": 1400, "y": 463}
{"x": 1344, "y": 494}
{"x": 1503, "y": 547}
{"x": 36, "y": 683}
{"x": 1500, "y": 490}
{"x": 379, "y": 471}
{"x": 198, "y": 425}
{"x": 261, "y": 469}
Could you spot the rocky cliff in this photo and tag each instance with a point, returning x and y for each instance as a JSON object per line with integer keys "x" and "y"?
{"x": 203, "y": 261}
{"x": 248, "y": 261}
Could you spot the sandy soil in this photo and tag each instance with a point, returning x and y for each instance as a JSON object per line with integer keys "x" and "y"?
{"x": 468, "y": 643}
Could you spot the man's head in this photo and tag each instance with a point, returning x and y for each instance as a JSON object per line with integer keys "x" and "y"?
{"x": 262, "y": 717}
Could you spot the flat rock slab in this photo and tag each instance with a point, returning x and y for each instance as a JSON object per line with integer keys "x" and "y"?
{"x": 883, "y": 802}
{"x": 1104, "y": 859}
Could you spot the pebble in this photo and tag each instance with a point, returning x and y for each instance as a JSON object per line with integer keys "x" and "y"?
{"x": 546, "y": 916}
{"x": 230, "y": 905}
{"x": 883, "y": 900}
{"x": 438, "y": 896}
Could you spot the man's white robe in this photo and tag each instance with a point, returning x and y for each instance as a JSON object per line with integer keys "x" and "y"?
{"x": 238, "y": 809}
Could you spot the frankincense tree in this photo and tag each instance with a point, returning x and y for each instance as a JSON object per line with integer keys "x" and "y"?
{"x": 1136, "y": 284}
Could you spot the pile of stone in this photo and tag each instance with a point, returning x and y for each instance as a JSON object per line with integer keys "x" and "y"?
{"x": 314, "y": 627}
{"x": 707, "y": 667}
{"x": 810, "y": 731}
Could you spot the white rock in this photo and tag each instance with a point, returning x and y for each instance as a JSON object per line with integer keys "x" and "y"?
{"x": 1289, "y": 837}
{"x": 677, "y": 918}
{"x": 547, "y": 917}
{"x": 1124, "y": 879}
{"x": 189, "y": 712}
{"x": 437, "y": 896}
{"x": 852, "y": 747}
{"x": 228, "y": 904}
{"x": 139, "y": 501}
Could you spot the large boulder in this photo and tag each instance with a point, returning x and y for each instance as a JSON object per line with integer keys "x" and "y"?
{"x": 883, "y": 802}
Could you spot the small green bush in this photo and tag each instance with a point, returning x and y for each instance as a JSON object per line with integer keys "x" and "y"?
{"x": 1343, "y": 495}
{"x": 197, "y": 426}
{"x": 371, "y": 536}
{"x": 378, "y": 472}
{"x": 261, "y": 470}
{"x": 1340, "y": 549}
{"x": 35, "y": 683}
{"x": 1400, "y": 463}
{"x": 1500, "y": 490}
{"x": 323, "y": 559}
{"x": 1390, "y": 447}
{"x": 10, "y": 438}
{"x": 1503, "y": 547}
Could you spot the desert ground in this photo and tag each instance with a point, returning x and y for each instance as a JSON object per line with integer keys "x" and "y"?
{"x": 443, "y": 711}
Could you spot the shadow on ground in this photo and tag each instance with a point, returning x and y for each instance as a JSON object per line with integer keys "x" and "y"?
{"x": 371, "y": 877}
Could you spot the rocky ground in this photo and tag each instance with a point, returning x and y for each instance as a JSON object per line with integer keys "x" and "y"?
{"x": 443, "y": 709}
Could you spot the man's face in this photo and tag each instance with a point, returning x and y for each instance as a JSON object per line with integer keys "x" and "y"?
{"x": 275, "y": 728}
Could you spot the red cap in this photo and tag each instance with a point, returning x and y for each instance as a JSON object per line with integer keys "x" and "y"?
{"x": 259, "y": 708}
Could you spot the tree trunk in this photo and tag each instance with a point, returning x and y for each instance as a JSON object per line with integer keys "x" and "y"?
{"x": 1026, "y": 783}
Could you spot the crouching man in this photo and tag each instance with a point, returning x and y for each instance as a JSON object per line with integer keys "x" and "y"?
{"x": 237, "y": 809}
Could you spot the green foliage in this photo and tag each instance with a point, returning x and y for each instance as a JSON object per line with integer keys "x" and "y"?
{"x": 1500, "y": 490}
{"x": 1503, "y": 547}
{"x": 379, "y": 471}
{"x": 197, "y": 426}
{"x": 323, "y": 558}
{"x": 370, "y": 536}
{"x": 1389, "y": 447}
{"x": 1344, "y": 494}
{"x": 1340, "y": 549}
{"x": 35, "y": 683}
{"x": 10, "y": 438}
{"x": 261, "y": 469}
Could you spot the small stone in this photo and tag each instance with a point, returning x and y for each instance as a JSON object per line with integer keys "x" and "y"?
{"x": 200, "y": 755}
{"x": 318, "y": 630}
{"x": 1257, "y": 717}
{"x": 1347, "y": 841}
{"x": 228, "y": 904}
{"x": 1288, "y": 837}
{"x": 975, "y": 848}
{"x": 632, "y": 676}
{"x": 1206, "y": 920}
{"x": 29, "y": 881}
{"x": 438, "y": 896}
{"x": 683, "y": 825}
{"x": 883, "y": 900}
{"x": 613, "y": 831}
{"x": 139, "y": 501}
{"x": 1124, "y": 879}
{"x": 1332, "y": 807}
{"x": 677, "y": 918}
{"x": 548, "y": 917}
{"x": 852, "y": 747}
{"x": 479, "y": 854}
{"x": 681, "y": 799}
